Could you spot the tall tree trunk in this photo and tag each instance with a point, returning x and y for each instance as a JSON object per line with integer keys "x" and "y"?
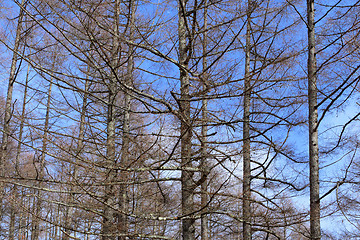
{"x": 315, "y": 232}
{"x": 246, "y": 134}
{"x": 109, "y": 201}
{"x": 204, "y": 130}
{"x": 17, "y": 157}
{"x": 80, "y": 145}
{"x": 35, "y": 231}
{"x": 8, "y": 107}
{"x": 122, "y": 218}
{"x": 109, "y": 230}
{"x": 187, "y": 185}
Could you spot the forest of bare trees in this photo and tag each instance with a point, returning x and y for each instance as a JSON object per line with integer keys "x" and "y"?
{"x": 187, "y": 119}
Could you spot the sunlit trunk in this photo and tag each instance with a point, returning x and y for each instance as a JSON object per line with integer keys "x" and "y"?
{"x": 246, "y": 134}
{"x": 315, "y": 232}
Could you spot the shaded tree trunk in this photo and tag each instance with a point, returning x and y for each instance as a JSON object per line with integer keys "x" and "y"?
{"x": 204, "y": 131}
{"x": 109, "y": 197}
{"x": 187, "y": 184}
{"x": 80, "y": 145}
{"x": 35, "y": 231}
{"x": 12, "y": 215}
{"x": 123, "y": 206}
{"x": 109, "y": 222}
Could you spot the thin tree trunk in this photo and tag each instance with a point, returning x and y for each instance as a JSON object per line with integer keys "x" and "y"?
{"x": 108, "y": 224}
{"x": 109, "y": 201}
{"x": 204, "y": 130}
{"x": 18, "y": 151}
{"x": 27, "y": 234}
{"x": 22, "y": 122}
{"x": 246, "y": 134}
{"x": 23, "y": 219}
{"x": 35, "y": 232}
{"x": 315, "y": 232}
{"x": 8, "y": 107}
{"x": 80, "y": 145}
{"x": 56, "y": 234}
{"x": 187, "y": 185}
{"x": 12, "y": 217}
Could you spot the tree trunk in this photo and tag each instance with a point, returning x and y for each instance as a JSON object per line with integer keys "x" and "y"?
{"x": 315, "y": 232}
{"x": 80, "y": 145}
{"x": 17, "y": 157}
{"x": 122, "y": 218}
{"x": 12, "y": 217}
{"x": 246, "y": 134}
{"x": 109, "y": 229}
{"x": 8, "y": 107}
{"x": 109, "y": 201}
{"x": 204, "y": 130}
{"x": 187, "y": 198}
{"x": 35, "y": 232}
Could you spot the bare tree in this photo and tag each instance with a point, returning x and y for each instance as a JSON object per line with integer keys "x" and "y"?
{"x": 313, "y": 127}
{"x": 204, "y": 132}
{"x": 40, "y": 169}
{"x": 246, "y": 131}
{"x": 187, "y": 188}
{"x": 6, "y": 133}
{"x": 155, "y": 120}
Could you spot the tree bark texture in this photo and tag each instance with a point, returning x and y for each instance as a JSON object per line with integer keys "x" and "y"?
{"x": 204, "y": 145}
{"x": 246, "y": 135}
{"x": 315, "y": 232}
{"x": 187, "y": 184}
{"x": 123, "y": 206}
{"x": 110, "y": 230}
{"x": 110, "y": 175}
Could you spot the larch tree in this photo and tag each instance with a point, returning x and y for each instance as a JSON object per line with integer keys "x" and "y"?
{"x": 187, "y": 187}
{"x": 313, "y": 126}
{"x": 159, "y": 112}
{"x": 204, "y": 132}
{"x": 6, "y": 129}
{"x": 246, "y": 208}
